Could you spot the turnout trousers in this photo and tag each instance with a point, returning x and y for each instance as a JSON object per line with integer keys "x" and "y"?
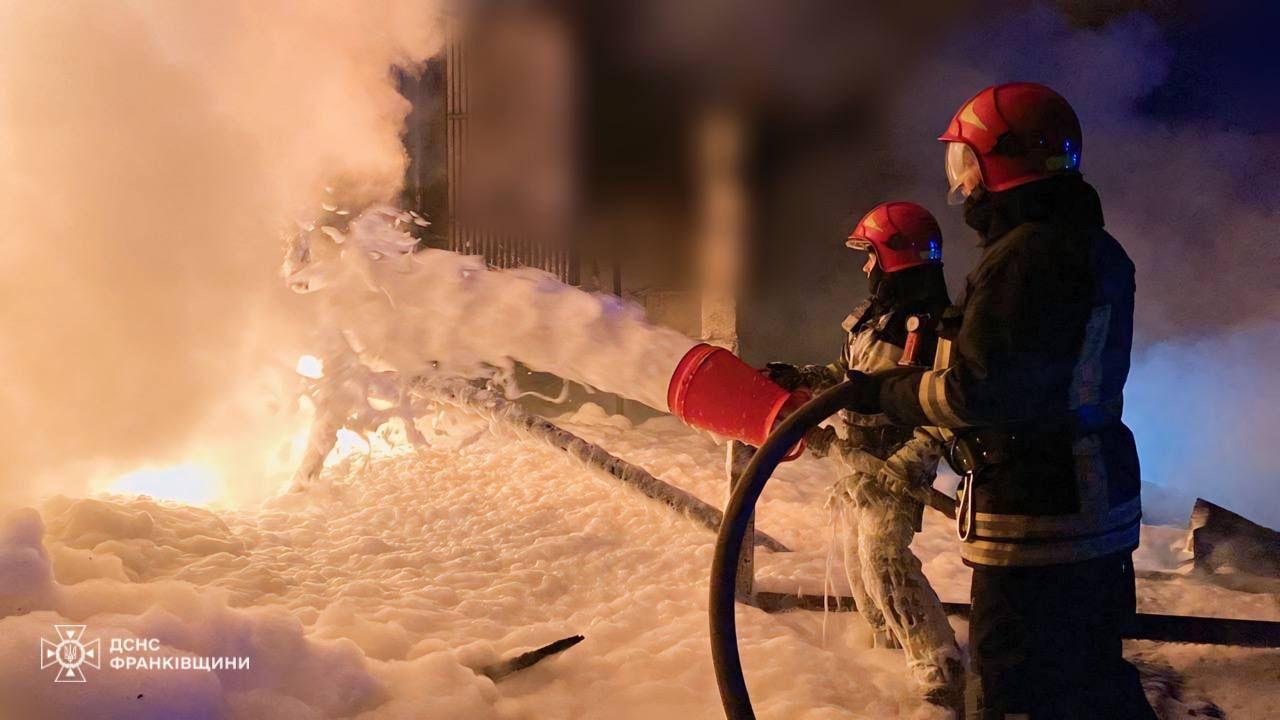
{"x": 1045, "y": 642}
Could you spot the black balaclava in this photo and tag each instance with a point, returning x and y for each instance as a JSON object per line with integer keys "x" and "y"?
{"x": 979, "y": 209}
{"x": 917, "y": 289}
{"x": 875, "y": 279}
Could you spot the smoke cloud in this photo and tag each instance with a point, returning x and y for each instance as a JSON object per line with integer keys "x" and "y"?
{"x": 1207, "y": 420}
{"x": 150, "y": 155}
{"x": 1192, "y": 202}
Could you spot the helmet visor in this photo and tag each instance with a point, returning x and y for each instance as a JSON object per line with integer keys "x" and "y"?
{"x": 963, "y": 173}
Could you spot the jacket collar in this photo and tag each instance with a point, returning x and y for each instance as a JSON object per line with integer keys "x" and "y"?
{"x": 1065, "y": 199}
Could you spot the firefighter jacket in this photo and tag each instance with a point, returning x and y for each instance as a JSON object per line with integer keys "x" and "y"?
{"x": 1034, "y": 381}
{"x": 904, "y": 461}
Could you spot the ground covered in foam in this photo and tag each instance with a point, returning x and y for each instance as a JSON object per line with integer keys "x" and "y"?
{"x": 380, "y": 593}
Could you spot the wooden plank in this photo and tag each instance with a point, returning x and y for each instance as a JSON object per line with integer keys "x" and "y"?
{"x": 495, "y": 408}
{"x": 1221, "y": 538}
{"x": 501, "y": 670}
{"x": 1146, "y": 626}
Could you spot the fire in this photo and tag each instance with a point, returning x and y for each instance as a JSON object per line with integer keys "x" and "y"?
{"x": 348, "y": 443}
{"x": 310, "y": 366}
{"x": 189, "y": 483}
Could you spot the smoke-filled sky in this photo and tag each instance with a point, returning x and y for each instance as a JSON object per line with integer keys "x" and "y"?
{"x": 1179, "y": 120}
{"x": 150, "y": 155}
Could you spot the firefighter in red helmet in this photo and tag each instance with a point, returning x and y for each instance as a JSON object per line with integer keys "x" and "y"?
{"x": 887, "y": 471}
{"x": 1032, "y": 390}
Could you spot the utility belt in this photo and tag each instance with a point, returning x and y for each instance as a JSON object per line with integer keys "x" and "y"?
{"x": 975, "y": 450}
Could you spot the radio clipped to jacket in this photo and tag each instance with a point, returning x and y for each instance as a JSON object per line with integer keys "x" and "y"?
{"x": 923, "y": 331}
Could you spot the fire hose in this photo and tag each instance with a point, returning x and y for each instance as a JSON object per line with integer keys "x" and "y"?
{"x": 737, "y": 516}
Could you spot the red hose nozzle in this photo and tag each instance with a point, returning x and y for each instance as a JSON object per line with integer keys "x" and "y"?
{"x": 712, "y": 389}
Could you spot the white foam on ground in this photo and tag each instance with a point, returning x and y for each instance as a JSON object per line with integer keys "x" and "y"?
{"x": 377, "y": 597}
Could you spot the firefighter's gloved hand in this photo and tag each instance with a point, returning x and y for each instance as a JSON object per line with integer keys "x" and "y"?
{"x": 784, "y": 375}
{"x": 896, "y": 482}
{"x": 819, "y": 439}
{"x": 866, "y": 396}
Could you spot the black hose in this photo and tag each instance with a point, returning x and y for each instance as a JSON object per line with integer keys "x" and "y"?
{"x": 724, "y": 565}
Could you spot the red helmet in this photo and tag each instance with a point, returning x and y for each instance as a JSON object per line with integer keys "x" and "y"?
{"x": 1012, "y": 134}
{"x": 901, "y": 234}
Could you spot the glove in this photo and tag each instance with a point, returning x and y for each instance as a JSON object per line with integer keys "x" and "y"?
{"x": 818, "y": 440}
{"x": 784, "y": 375}
{"x": 895, "y": 482}
{"x": 866, "y": 396}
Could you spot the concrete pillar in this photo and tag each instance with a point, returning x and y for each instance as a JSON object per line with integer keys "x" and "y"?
{"x": 722, "y": 221}
{"x": 722, "y": 247}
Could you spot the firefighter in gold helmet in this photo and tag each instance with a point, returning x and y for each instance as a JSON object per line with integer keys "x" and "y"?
{"x": 1032, "y": 389}
{"x": 888, "y": 470}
